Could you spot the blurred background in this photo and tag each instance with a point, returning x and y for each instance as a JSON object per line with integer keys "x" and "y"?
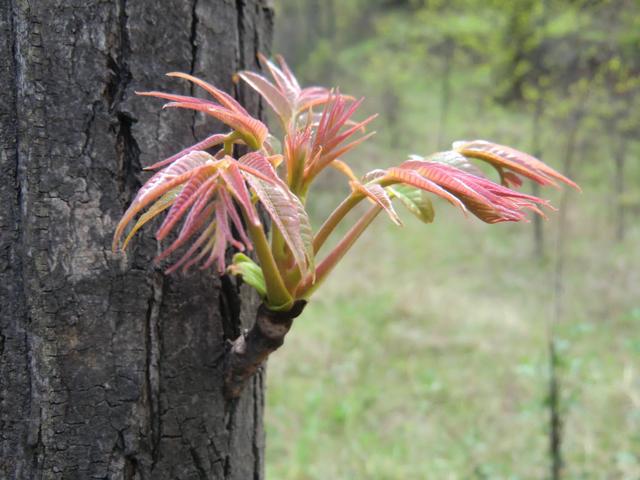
{"x": 459, "y": 349}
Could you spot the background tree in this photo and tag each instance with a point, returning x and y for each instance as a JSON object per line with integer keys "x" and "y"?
{"x": 109, "y": 369}
{"x": 558, "y": 75}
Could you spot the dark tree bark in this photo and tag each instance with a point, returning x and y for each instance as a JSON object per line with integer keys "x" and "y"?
{"x": 109, "y": 369}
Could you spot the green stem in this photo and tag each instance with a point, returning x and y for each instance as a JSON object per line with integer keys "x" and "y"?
{"x": 283, "y": 258}
{"x": 309, "y": 285}
{"x": 334, "y": 219}
{"x": 278, "y": 296}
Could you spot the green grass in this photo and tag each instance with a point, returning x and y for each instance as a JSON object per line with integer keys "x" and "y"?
{"x": 433, "y": 363}
{"x": 425, "y": 354}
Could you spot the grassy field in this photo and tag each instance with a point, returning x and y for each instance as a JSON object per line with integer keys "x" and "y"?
{"x": 426, "y": 357}
{"x": 426, "y": 354}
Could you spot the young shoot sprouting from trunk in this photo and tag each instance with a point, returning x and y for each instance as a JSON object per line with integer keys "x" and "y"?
{"x": 210, "y": 197}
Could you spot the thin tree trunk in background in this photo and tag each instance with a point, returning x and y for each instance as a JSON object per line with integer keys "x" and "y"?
{"x": 330, "y": 32}
{"x": 619, "y": 188}
{"x": 445, "y": 92}
{"x": 556, "y": 423}
{"x": 313, "y": 22}
{"x": 391, "y": 108}
{"x": 536, "y": 145}
{"x": 536, "y": 150}
{"x": 109, "y": 369}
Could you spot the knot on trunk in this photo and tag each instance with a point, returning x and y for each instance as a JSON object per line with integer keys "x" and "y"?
{"x": 251, "y": 349}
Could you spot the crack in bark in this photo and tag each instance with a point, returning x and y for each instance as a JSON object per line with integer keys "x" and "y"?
{"x": 34, "y": 451}
{"x": 128, "y": 158}
{"x": 130, "y": 471}
{"x": 228, "y": 424}
{"x": 153, "y": 363}
{"x": 87, "y": 129}
{"x": 127, "y": 149}
{"x": 258, "y": 405}
{"x": 197, "y": 462}
{"x": 240, "y": 41}
{"x": 230, "y": 304}
{"x": 193, "y": 38}
{"x": 120, "y": 74}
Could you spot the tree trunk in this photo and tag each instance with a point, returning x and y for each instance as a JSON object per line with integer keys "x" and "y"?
{"x": 536, "y": 150}
{"x": 619, "y": 188}
{"x": 109, "y": 369}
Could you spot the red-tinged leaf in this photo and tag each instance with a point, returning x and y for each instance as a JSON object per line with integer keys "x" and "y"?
{"x": 270, "y": 93}
{"x": 514, "y": 160}
{"x": 287, "y": 72}
{"x": 455, "y": 159}
{"x": 203, "y": 217}
{"x": 207, "y": 249}
{"x": 487, "y": 200}
{"x": 461, "y": 184}
{"x": 258, "y": 165}
{"x": 200, "y": 211}
{"x": 217, "y": 252}
{"x": 414, "y": 179}
{"x": 379, "y": 196}
{"x": 236, "y": 184}
{"x": 222, "y": 220}
{"x": 308, "y": 102}
{"x": 328, "y": 136}
{"x": 350, "y": 146}
{"x": 235, "y": 219}
{"x": 156, "y": 209}
{"x": 212, "y": 141}
{"x": 222, "y": 238}
{"x": 223, "y": 98}
{"x": 176, "y": 98}
{"x": 188, "y": 258}
{"x": 510, "y": 178}
{"x": 253, "y": 130}
{"x": 189, "y": 194}
{"x": 334, "y": 142}
{"x": 373, "y": 175}
{"x": 175, "y": 174}
{"x": 282, "y": 207}
{"x": 289, "y": 89}
{"x": 306, "y": 233}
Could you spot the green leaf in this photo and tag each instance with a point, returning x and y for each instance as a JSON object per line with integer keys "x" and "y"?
{"x": 250, "y": 272}
{"x": 416, "y": 201}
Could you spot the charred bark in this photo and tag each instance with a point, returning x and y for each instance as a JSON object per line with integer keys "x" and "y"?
{"x": 109, "y": 369}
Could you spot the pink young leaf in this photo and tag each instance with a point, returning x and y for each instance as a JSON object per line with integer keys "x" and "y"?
{"x": 379, "y": 196}
{"x": 212, "y": 141}
{"x": 175, "y": 174}
{"x": 289, "y": 216}
{"x": 223, "y": 98}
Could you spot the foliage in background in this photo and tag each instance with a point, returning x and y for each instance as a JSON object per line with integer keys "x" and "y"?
{"x": 559, "y": 79}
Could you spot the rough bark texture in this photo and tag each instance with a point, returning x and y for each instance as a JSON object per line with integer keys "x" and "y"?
{"x": 109, "y": 369}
